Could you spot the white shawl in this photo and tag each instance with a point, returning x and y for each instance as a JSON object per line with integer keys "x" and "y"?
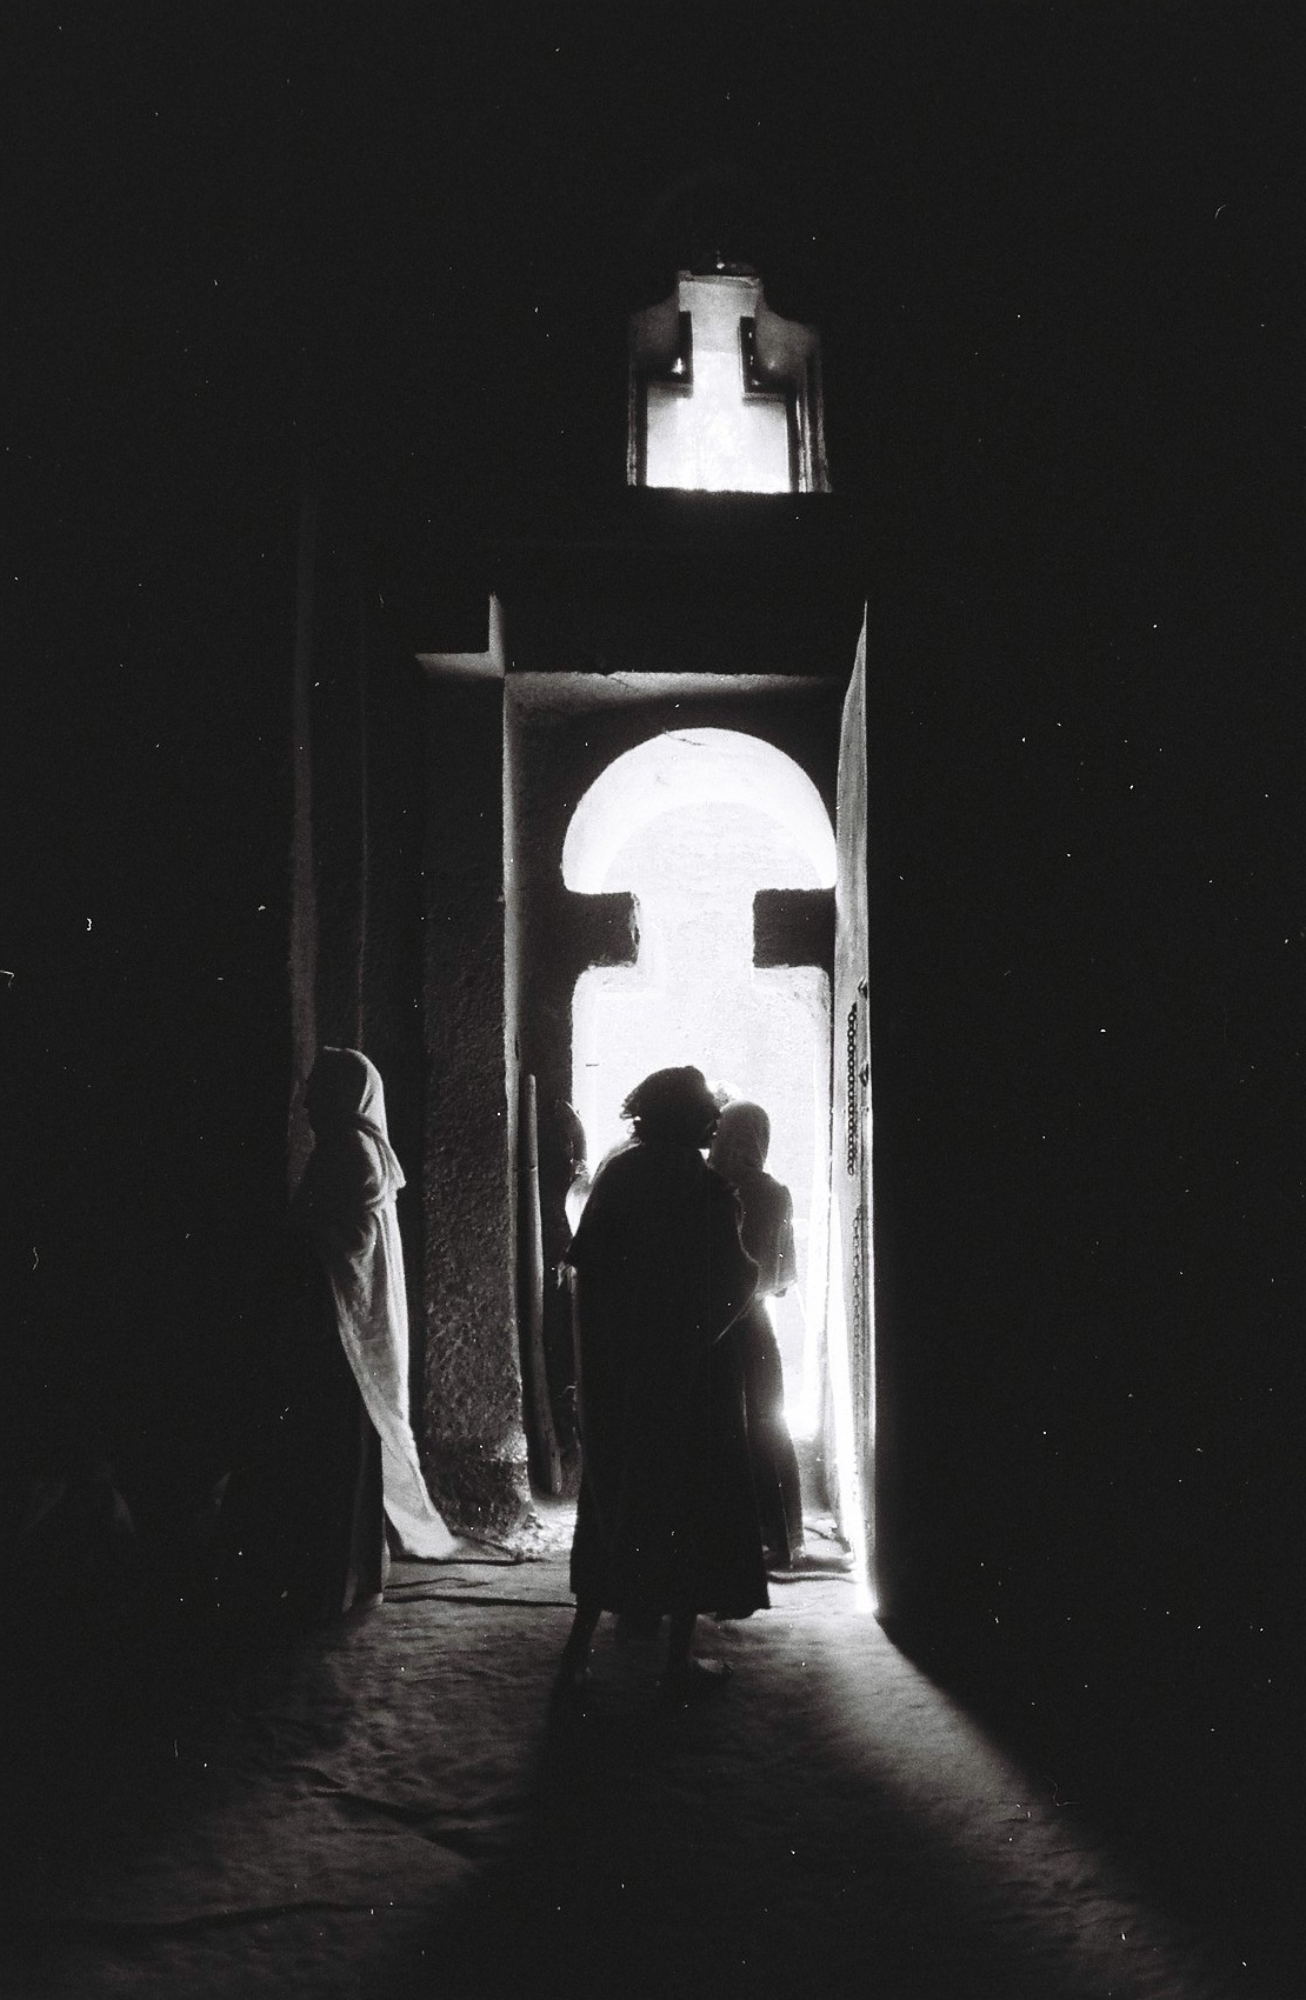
{"x": 346, "y": 1203}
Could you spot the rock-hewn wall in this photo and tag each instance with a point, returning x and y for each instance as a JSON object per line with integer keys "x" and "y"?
{"x": 471, "y": 1388}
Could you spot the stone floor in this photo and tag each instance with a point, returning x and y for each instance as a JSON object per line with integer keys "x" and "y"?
{"x": 398, "y": 1809}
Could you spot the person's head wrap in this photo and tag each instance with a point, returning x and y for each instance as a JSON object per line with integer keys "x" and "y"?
{"x": 345, "y": 1099}
{"x": 566, "y": 1134}
{"x": 673, "y": 1105}
{"x": 743, "y": 1135}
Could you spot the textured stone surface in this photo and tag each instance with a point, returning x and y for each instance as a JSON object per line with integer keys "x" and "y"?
{"x": 396, "y": 1809}
{"x": 793, "y": 927}
{"x": 470, "y": 1402}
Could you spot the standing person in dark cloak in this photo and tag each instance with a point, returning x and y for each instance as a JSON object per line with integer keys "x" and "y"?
{"x": 666, "y": 1522}
{"x": 313, "y": 1522}
{"x": 739, "y": 1149}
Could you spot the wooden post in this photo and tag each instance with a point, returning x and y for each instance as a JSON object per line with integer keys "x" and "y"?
{"x": 541, "y": 1438}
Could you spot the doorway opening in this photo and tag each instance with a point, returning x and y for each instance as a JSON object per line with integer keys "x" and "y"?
{"x": 685, "y": 881}
{"x": 693, "y": 824}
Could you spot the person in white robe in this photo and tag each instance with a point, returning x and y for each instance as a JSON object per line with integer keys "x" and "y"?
{"x": 345, "y": 1208}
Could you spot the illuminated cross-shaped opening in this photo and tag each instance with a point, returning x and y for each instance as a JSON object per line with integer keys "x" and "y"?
{"x": 695, "y": 824}
{"x": 725, "y": 394}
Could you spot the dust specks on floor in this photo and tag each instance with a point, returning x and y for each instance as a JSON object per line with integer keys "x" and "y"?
{"x": 397, "y": 1808}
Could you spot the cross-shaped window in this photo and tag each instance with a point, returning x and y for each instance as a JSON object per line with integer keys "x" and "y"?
{"x": 724, "y": 393}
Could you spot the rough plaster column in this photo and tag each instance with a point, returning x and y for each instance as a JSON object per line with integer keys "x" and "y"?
{"x": 471, "y": 1411}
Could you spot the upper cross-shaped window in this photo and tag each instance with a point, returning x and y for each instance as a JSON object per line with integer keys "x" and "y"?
{"x": 725, "y": 395}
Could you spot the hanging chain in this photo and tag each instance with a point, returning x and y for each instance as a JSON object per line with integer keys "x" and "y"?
{"x": 852, "y": 1098}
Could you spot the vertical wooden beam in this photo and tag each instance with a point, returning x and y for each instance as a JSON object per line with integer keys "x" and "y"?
{"x": 541, "y": 1437}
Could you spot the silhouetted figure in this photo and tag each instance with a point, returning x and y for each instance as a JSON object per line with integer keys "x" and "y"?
{"x": 739, "y": 1150}
{"x": 563, "y": 1186}
{"x": 309, "y": 1523}
{"x": 666, "y": 1522}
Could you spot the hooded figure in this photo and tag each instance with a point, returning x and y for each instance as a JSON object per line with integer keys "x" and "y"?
{"x": 305, "y": 1517}
{"x": 739, "y": 1150}
{"x": 666, "y": 1521}
{"x": 345, "y": 1207}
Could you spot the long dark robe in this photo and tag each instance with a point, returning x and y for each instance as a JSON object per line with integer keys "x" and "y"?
{"x": 766, "y": 1227}
{"x": 666, "y": 1520}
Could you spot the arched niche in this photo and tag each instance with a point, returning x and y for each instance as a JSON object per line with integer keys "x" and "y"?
{"x": 687, "y": 767}
{"x": 697, "y": 824}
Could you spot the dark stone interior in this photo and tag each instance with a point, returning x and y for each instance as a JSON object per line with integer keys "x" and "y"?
{"x": 373, "y": 277}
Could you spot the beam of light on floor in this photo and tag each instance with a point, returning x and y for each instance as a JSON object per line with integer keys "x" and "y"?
{"x": 1003, "y": 1827}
